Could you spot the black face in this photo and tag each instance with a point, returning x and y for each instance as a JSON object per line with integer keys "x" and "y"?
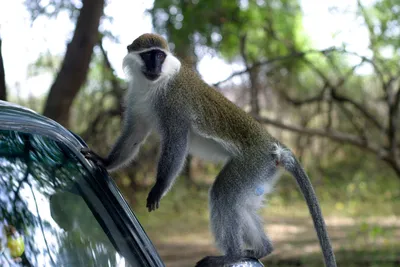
{"x": 153, "y": 61}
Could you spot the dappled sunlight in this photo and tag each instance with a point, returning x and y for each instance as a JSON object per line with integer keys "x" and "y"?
{"x": 291, "y": 238}
{"x": 347, "y": 221}
{"x": 199, "y": 239}
{"x": 282, "y": 232}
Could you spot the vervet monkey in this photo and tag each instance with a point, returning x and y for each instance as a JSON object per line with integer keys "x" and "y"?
{"x": 191, "y": 117}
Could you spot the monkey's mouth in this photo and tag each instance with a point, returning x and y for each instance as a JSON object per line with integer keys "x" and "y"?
{"x": 152, "y": 76}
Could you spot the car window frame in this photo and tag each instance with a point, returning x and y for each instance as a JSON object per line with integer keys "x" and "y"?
{"x": 15, "y": 118}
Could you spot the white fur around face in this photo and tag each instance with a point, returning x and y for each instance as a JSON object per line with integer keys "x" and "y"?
{"x": 132, "y": 64}
{"x": 171, "y": 66}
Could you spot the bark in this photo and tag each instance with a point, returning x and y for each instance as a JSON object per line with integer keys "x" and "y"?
{"x": 254, "y": 85}
{"x": 3, "y": 91}
{"x": 187, "y": 170}
{"x": 254, "y": 91}
{"x": 74, "y": 69}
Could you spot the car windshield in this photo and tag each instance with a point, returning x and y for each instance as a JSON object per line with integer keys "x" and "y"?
{"x": 50, "y": 212}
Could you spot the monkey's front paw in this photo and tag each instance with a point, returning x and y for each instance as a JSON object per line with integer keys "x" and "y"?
{"x": 90, "y": 155}
{"x": 153, "y": 200}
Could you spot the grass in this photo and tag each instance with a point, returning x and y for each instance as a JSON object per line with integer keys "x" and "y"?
{"x": 364, "y": 233}
{"x": 382, "y": 257}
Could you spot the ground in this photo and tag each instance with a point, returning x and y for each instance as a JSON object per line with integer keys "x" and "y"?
{"x": 364, "y": 232}
{"x": 375, "y": 241}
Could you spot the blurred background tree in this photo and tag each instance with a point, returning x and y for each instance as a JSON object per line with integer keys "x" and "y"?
{"x": 336, "y": 106}
{"x": 3, "y": 91}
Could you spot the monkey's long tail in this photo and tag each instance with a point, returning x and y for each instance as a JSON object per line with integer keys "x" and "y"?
{"x": 294, "y": 167}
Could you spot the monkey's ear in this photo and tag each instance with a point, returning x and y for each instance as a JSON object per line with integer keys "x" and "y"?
{"x": 128, "y": 48}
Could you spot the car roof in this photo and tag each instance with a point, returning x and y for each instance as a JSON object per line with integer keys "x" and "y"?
{"x": 16, "y": 117}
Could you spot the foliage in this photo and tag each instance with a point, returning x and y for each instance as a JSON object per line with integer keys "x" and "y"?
{"x": 382, "y": 20}
{"x": 52, "y": 8}
{"x": 223, "y": 23}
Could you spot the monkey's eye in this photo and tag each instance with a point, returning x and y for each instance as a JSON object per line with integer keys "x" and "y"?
{"x": 160, "y": 56}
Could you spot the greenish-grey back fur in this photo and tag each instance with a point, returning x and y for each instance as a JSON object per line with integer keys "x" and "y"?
{"x": 218, "y": 116}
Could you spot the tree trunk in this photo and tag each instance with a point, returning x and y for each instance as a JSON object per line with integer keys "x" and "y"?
{"x": 253, "y": 76}
{"x": 187, "y": 170}
{"x": 254, "y": 91}
{"x": 72, "y": 74}
{"x": 3, "y": 92}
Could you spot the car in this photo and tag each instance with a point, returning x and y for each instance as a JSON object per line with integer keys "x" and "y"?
{"x": 59, "y": 209}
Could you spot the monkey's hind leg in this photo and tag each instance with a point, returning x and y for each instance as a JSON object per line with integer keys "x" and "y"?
{"x": 253, "y": 235}
{"x": 258, "y": 243}
{"x": 237, "y": 229}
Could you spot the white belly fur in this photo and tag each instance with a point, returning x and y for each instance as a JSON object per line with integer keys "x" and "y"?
{"x": 207, "y": 148}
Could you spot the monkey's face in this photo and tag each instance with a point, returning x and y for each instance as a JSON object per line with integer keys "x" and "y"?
{"x": 153, "y": 63}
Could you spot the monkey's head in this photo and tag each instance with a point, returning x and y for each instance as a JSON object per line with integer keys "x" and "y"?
{"x": 149, "y": 56}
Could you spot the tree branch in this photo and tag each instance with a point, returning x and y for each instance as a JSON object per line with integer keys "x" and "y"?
{"x": 301, "y": 54}
{"x": 331, "y": 134}
{"x": 102, "y": 115}
{"x": 360, "y": 108}
{"x": 350, "y": 117}
{"x": 273, "y": 60}
{"x": 299, "y": 102}
{"x": 341, "y": 98}
{"x": 114, "y": 81}
{"x": 393, "y": 124}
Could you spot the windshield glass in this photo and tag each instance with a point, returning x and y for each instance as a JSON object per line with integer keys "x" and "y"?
{"x": 49, "y": 215}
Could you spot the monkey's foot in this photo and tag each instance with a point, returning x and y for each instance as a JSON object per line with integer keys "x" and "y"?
{"x": 223, "y": 261}
{"x": 90, "y": 155}
{"x": 215, "y": 261}
{"x": 210, "y": 261}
